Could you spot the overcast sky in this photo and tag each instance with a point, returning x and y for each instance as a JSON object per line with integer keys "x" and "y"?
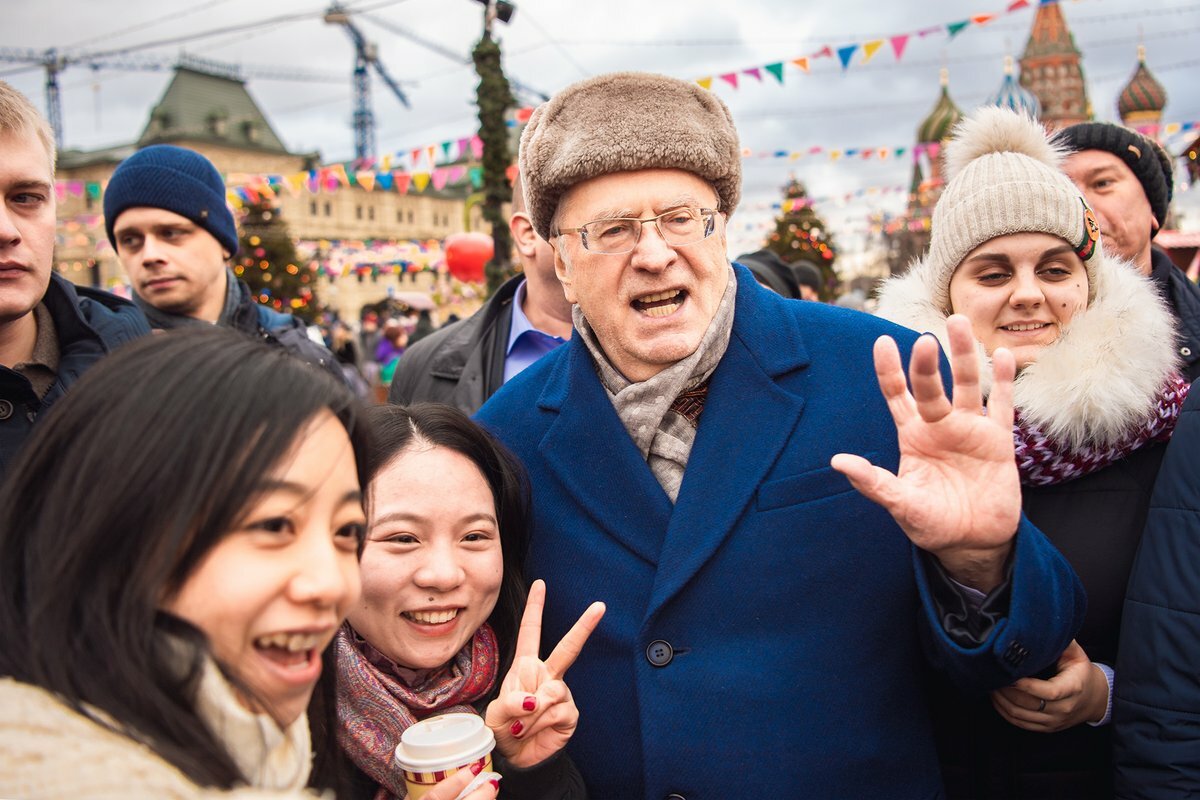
{"x": 550, "y": 44}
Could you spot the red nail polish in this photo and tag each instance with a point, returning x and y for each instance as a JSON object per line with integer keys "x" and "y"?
{"x": 477, "y": 768}
{"x": 529, "y": 704}
{"x": 495, "y": 782}
{"x": 516, "y": 728}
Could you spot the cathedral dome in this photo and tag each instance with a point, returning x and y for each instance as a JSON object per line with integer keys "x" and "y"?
{"x": 1143, "y": 98}
{"x": 1013, "y": 95}
{"x": 942, "y": 119}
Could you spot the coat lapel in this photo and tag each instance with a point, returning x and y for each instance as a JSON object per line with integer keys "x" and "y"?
{"x": 591, "y": 453}
{"x": 747, "y": 420}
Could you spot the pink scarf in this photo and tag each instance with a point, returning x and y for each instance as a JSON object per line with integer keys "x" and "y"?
{"x": 375, "y": 706}
{"x": 1043, "y": 461}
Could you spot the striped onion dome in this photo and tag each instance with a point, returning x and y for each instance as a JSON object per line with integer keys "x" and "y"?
{"x": 1143, "y": 95}
{"x": 1013, "y": 95}
{"x": 941, "y": 121}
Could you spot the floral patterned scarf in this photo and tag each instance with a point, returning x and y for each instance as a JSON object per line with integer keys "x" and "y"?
{"x": 375, "y": 705}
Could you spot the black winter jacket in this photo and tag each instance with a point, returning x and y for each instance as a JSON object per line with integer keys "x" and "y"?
{"x": 1184, "y": 298}
{"x": 90, "y": 323}
{"x": 461, "y": 364}
{"x": 1156, "y": 713}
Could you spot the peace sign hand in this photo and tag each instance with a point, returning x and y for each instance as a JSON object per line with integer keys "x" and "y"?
{"x": 534, "y": 715}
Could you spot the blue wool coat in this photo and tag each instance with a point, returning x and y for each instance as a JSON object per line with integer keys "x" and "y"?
{"x": 766, "y": 635}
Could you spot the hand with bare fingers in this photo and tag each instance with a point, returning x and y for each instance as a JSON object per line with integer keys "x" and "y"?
{"x": 534, "y": 715}
{"x": 956, "y": 493}
{"x": 1077, "y": 693}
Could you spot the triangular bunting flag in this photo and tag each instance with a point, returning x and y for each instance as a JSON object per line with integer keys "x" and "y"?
{"x": 846, "y": 53}
{"x": 476, "y": 147}
{"x": 1016, "y": 5}
{"x": 511, "y": 173}
{"x": 339, "y": 172}
{"x": 420, "y": 180}
{"x": 464, "y": 146}
{"x": 414, "y": 157}
{"x": 446, "y": 150}
{"x": 476, "y": 176}
{"x": 385, "y": 180}
{"x": 60, "y": 191}
{"x": 402, "y": 181}
{"x": 523, "y": 114}
{"x": 802, "y": 63}
{"x": 898, "y": 43}
{"x": 456, "y": 173}
{"x": 754, "y": 72}
{"x": 870, "y": 49}
{"x": 440, "y": 176}
{"x": 955, "y": 28}
{"x": 75, "y": 188}
{"x": 366, "y": 179}
{"x": 776, "y": 70}
{"x": 730, "y": 78}
{"x": 705, "y": 83}
{"x": 386, "y": 164}
{"x": 824, "y": 52}
{"x": 929, "y": 31}
{"x": 431, "y": 151}
{"x": 983, "y": 19}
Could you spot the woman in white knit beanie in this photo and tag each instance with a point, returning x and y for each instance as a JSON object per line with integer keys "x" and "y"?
{"x": 1016, "y": 250}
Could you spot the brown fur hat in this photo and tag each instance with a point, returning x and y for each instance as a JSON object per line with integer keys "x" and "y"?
{"x": 627, "y": 121}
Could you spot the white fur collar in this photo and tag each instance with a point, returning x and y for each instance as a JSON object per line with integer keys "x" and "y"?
{"x": 1099, "y": 379}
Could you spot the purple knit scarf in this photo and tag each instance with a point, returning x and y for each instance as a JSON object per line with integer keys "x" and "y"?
{"x": 1043, "y": 461}
{"x": 375, "y": 706}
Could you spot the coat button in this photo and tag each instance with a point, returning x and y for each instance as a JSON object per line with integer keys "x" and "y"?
{"x": 6, "y": 409}
{"x": 660, "y": 653}
{"x": 674, "y": 796}
{"x": 1014, "y": 654}
{"x": 1185, "y": 351}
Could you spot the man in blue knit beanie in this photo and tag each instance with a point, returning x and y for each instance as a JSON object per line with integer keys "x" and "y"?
{"x": 166, "y": 217}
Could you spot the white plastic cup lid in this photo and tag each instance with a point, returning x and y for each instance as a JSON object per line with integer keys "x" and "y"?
{"x": 444, "y": 742}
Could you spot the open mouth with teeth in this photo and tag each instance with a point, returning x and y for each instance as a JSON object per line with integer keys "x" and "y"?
{"x": 439, "y": 617}
{"x": 660, "y": 304}
{"x": 1025, "y": 327}
{"x": 290, "y": 651}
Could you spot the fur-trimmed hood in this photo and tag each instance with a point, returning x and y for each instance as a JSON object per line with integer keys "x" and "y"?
{"x": 1098, "y": 380}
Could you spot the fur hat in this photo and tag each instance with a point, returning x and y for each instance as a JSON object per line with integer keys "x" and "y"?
{"x": 1004, "y": 178}
{"x": 1148, "y": 161}
{"x": 627, "y": 121}
{"x": 176, "y": 179}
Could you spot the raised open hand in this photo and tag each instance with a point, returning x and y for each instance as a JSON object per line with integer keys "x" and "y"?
{"x": 534, "y": 714}
{"x": 957, "y": 493}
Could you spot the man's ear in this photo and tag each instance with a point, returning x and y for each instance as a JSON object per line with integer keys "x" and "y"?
{"x": 524, "y": 236}
{"x": 562, "y": 271}
{"x": 1154, "y": 223}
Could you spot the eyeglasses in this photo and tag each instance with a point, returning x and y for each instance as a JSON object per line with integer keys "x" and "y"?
{"x": 677, "y": 227}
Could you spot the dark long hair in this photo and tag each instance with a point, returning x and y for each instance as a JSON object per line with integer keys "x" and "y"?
{"x": 394, "y": 429}
{"x": 124, "y": 487}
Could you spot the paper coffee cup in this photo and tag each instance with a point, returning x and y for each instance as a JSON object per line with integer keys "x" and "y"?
{"x": 436, "y": 748}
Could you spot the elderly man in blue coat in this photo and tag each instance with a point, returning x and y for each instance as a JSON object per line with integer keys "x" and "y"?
{"x": 695, "y": 453}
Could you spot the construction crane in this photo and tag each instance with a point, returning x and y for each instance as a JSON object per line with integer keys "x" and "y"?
{"x": 54, "y": 62}
{"x": 366, "y": 55}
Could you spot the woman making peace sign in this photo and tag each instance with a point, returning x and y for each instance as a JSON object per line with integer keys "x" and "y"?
{"x": 440, "y": 619}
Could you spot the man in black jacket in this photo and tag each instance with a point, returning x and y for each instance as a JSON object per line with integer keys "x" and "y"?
{"x": 465, "y": 363}
{"x": 166, "y": 216}
{"x": 1127, "y": 180}
{"x": 51, "y": 332}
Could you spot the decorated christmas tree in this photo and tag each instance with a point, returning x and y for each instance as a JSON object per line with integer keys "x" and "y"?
{"x": 267, "y": 262}
{"x": 800, "y": 235}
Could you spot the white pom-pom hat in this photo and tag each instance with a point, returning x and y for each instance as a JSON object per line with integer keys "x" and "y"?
{"x": 1004, "y": 177}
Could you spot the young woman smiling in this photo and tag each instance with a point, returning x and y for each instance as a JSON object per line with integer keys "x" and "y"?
{"x": 179, "y": 541}
{"x": 440, "y": 619}
{"x": 1016, "y": 250}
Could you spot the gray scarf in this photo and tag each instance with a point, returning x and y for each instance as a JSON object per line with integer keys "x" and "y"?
{"x": 163, "y": 320}
{"x": 663, "y": 436}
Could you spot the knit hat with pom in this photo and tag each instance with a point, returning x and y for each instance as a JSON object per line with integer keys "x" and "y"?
{"x": 1004, "y": 177}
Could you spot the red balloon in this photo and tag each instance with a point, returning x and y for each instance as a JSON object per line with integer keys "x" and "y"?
{"x": 466, "y": 253}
